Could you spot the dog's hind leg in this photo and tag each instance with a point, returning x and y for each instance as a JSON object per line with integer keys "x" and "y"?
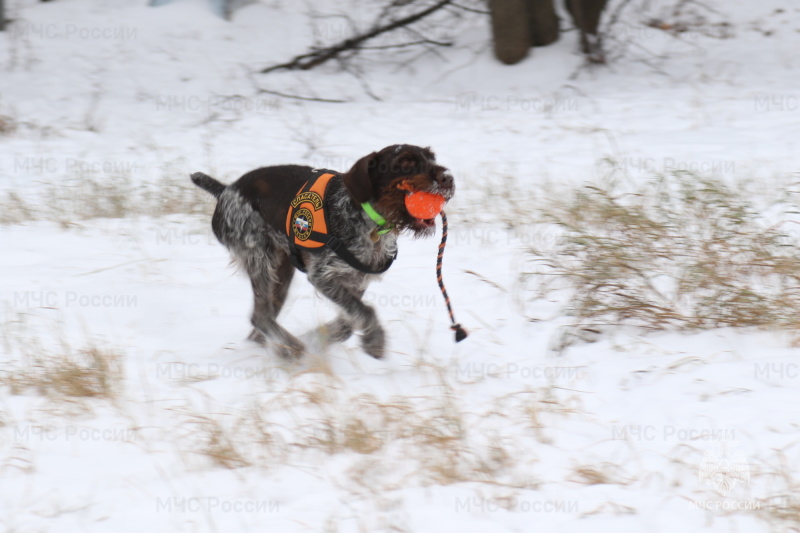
{"x": 269, "y": 294}
{"x": 259, "y": 254}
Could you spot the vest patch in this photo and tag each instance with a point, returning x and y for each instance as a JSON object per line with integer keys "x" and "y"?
{"x": 303, "y": 224}
{"x": 309, "y": 196}
{"x": 306, "y": 223}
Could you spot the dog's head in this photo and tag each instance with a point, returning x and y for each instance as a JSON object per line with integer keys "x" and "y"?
{"x": 386, "y": 177}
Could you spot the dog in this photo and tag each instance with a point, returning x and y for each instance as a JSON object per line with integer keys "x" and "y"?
{"x": 339, "y": 228}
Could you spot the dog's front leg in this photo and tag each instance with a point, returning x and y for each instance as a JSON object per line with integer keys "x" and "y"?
{"x": 337, "y": 330}
{"x": 356, "y": 312}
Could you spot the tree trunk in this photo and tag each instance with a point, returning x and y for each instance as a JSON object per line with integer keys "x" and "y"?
{"x": 543, "y": 22}
{"x": 510, "y": 30}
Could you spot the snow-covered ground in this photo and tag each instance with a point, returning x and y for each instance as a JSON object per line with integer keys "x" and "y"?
{"x": 208, "y": 432}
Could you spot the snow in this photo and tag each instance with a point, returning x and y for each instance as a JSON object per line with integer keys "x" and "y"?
{"x": 504, "y": 424}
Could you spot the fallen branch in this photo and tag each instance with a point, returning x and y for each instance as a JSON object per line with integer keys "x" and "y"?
{"x": 304, "y": 98}
{"x": 317, "y": 57}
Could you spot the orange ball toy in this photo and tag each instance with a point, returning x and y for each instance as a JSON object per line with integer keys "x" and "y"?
{"x": 424, "y": 205}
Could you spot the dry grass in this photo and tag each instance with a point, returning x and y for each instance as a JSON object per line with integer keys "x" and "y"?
{"x": 216, "y": 442}
{"x": 781, "y": 508}
{"x": 18, "y": 458}
{"x": 430, "y": 440}
{"x": 62, "y": 374}
{"x": 8, "y": 124}
{"x": 502, "y": 202}
{"x": 85, "y": 373}
{"x": 508, "y": 201}
{"x": 538, "y": 407}
{"x": 430, "y": 433}
{"x": 111, "y": 196}
{"x": 681, "y": 252}
{"x": 233, "y": 440}
{"x": 600, "y": 474}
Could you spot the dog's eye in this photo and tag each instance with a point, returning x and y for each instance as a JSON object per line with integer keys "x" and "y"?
{"x": 407, "y": 161}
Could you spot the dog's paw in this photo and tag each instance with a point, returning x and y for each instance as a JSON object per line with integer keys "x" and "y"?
{"x": 335, "y": 331}
{"x": 374, "y": 342}
{"x": 257, "y": 337}
{"x": 291, "y": 351}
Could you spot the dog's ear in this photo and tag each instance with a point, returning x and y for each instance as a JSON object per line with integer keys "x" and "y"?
{"x": 358, "y": 181}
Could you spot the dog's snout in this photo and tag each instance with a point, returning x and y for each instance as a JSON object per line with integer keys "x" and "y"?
{"x": 445, "y": 179}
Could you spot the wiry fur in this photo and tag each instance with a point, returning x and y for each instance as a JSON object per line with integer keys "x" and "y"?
{"x": 250, "y": 217}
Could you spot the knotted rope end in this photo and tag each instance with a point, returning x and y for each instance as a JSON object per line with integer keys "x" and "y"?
{"x": 461, "y": 333}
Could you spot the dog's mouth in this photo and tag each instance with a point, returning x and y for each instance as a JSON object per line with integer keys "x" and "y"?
{"x": 413, "y": 203}
{"x": 423, "y": 223}
{"x": 421, "y": 226}
{"x": 422, "y": 206}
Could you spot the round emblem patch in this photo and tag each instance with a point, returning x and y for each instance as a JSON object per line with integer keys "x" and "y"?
{"x": 303, "y": 223}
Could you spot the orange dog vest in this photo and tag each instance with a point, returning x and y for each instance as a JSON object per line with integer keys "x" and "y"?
{"x": 305, "y": 221}
{"x": 307, "y": 227}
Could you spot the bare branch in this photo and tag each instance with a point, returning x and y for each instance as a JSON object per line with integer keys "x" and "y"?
{"x": 404, "y": 45}
{"x": 260, "y": 90}
{"x": 319, "y": 56}
{"x": 471, "y": 9}
{"x": 304, "y": 98}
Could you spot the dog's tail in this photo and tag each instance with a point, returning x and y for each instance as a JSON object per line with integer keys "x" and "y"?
{"x": 204, "y": 181}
